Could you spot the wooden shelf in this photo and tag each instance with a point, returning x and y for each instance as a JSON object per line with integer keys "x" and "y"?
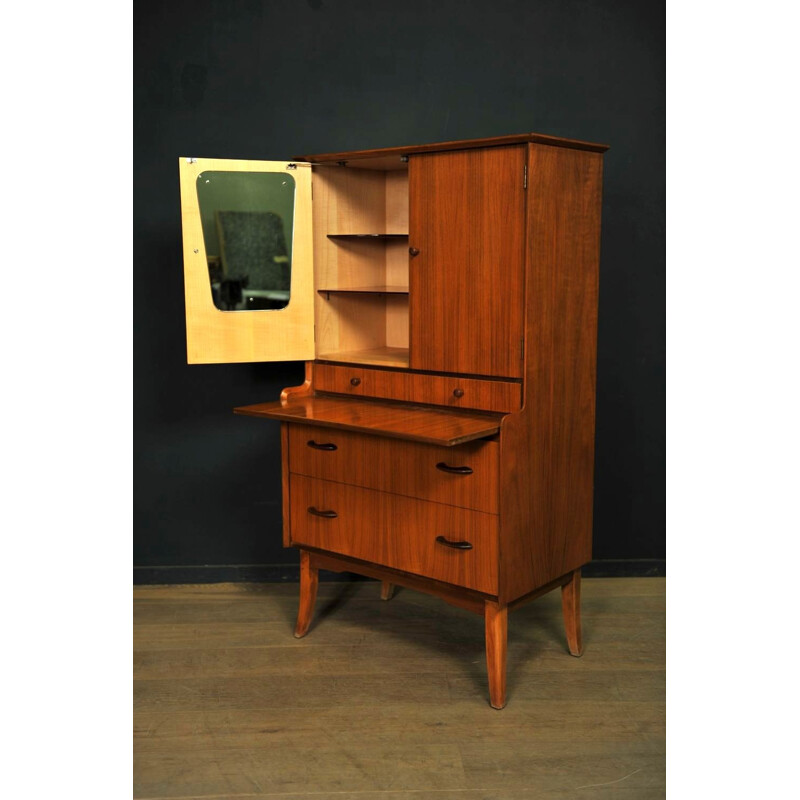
{"x": 368, "y": 236}
{"x": 367, "y": 290}
{"x": 397, "y": 420}
{"x": 382, "y": 356}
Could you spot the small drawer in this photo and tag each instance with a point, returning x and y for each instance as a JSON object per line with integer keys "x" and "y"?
{"x": 465, "y": 475}
{"x": 474, "y": 393}
{"x": 448, "y": 544}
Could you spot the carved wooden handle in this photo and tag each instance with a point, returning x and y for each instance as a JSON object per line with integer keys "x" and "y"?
{"x": 327, "y": 514}
{"x": 454, "y": 545}
{"x": 454, "y": 470}
{"x": 318, "y": 446}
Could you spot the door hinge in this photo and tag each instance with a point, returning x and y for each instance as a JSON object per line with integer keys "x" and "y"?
{"x": 525, "y": 177}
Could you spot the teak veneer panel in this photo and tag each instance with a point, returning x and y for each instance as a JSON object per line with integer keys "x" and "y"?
{"x": 547, "y": 451}
{"x": 443, "y": 390}
{"x": 386, "y": 157}
{"x": 455, "y": 595}
{"x": 398, "y": 532}
{"x": 389, "y": 465}
{"x": 442, "y": 427}
{"x": 467, "y": 220}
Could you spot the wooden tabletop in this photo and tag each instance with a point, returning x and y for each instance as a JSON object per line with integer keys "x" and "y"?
{"x": 398, "y": 420}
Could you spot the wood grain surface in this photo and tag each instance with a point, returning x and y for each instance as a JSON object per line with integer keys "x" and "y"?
{"x": 467, "y": 219}
{"x": 392, "y": 465}
{"x": 214, "y": 336}
{"x": 361, "y": 239}
{"x": 496, "y": 625}
{"x": 458, "y": 596}
{"x": 547, "y": 451}
{"x": 384, "y": 356}
{"x": 386, "y": 154}
{"x": 387, "y": 701}
{"x": 309, "y": 582}
{"x": 395, "y": 531}
{"x": 571, "y": 606}
{"x": 415, "y": 423}
{"x": 411, "y": 387}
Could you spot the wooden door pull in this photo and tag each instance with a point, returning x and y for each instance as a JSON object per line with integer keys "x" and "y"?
{"x": 454, "y": 470}
{"x": 318, "y": 446}
{"x": 454, "y": 545}
{"x": 317, "y": 513}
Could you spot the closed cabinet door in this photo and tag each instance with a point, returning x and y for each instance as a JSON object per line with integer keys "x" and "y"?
{"x": 248, "y": 261}
{"x": 466, "y": 250}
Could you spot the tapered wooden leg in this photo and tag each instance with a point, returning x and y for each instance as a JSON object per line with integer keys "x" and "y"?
{"x": 387, "y": 590}
{"x": 496, "y": 619}
{"x": 571, "y": 605}
{"x": 309, "y": 580}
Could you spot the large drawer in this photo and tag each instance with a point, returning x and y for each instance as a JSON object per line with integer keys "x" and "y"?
{"x": 411, "y": 387}
{"x": 465, "y": 475}
{"x": 395, "y": 531}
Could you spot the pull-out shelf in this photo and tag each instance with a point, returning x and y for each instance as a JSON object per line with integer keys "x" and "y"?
{"x": 397, "y": 420}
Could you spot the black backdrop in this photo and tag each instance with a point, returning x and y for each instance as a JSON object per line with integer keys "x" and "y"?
{"x": 272, "y": 80}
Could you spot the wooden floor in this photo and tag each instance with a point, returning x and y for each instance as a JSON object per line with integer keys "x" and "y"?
{"x": 388, "y": 700}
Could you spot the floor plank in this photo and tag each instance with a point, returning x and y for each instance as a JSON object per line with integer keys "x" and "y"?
{"x": 388, "y": 700}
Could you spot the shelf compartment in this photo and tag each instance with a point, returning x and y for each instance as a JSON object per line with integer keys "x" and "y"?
{"x": 361, "y": 295}
{"x": 376, "y": 236}
{"x": 366, "y": 290}
{"x": 379, "y": 356}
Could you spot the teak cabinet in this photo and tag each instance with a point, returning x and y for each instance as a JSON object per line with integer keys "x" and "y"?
{"x": 444, "y": 298}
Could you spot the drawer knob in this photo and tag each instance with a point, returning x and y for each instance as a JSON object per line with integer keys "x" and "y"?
{"x": 355, "y": 381}
{"x": 454, "y": 545}
{"x": 458, "y": 392}
{"x": 454, "y": 470}
{"x": 318, "y": 513}
{"x": 323, "y": 446}
{"x": 413, "y": 251}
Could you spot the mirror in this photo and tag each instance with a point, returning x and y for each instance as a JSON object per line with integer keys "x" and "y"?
{"x": 247, "y": 220}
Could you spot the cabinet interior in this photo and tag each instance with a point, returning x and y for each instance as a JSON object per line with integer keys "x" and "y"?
{"x": 361, "y": 262}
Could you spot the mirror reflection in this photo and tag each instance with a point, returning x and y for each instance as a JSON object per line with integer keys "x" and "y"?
{"x": 247, "y": 220}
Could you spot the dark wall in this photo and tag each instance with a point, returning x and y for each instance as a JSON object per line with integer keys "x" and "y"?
{"x": 273, "y": 80}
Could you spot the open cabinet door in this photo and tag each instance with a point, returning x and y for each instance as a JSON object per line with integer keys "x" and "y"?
{"x": 248, "y": 261}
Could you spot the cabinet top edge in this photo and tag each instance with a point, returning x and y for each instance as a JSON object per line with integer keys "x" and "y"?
{"x": 465, "y": 144}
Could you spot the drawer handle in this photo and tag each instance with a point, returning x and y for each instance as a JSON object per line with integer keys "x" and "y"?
{"x": 317, "y": 446}
{"x": 454, "y": 470}
{"x": 454, "y": 545}
{"x": 317, "y": 513}
{"x": 458, "y": 392}
{"x": 355, "y": 381}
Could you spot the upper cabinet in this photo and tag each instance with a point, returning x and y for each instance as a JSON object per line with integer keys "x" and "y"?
{"x": 248, "y": 260}
{"x": 467, "y": 238}
{"x": 413, "y": 258}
